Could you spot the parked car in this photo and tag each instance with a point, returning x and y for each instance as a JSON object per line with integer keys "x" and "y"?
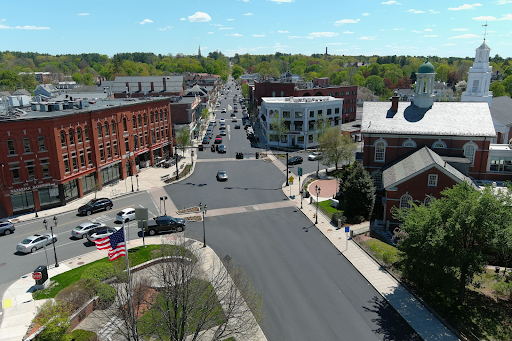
{"x": 234, "y": 119}
{"x": 218, "y": 139}
{"x": 126, "y": 215}
{"x": 222, "y": 149}
{"x": 295, "y": 160}
{"x": 222, "y": 120}
{"x": 223, "y": 125}
{"x": 222, "y": 175}
{"x": 95, "y": 205}
{"x": 104, "y": 232}
{"x": 81, "y": 230}
{"x": 247, "y": 126}
{"x": 6, "y": 227}
{"x": 165, "y": 224}
{"x": 34, "y": 242}
{"x": 223, "y": 109}
{"x": 217, "y": 105}
{"x": 223, "y": 132}
{"x": 206, "y": 140}
{"x": 314, "y": 156}
{"x": 237, "y": 126}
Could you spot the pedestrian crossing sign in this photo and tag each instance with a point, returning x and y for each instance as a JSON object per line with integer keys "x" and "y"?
{"x": 290, "y": 179}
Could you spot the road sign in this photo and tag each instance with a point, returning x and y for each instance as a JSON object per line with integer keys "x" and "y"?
{"x": 37, "y": 276}
{"x": 347, "y": 229}
{"x": 290, "y": 179}
{"x": 299, "y": 171}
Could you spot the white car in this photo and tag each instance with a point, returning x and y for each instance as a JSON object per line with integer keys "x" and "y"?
{"x": 104, "y": 232}
{"x": 81, "y": 230}
{"x": 126, "y": 215}
{"x": 218, "y": 105}
{"x": 314, "y": 156}
{"x": 223, "y": 110}
{"x": 222, "y": 120}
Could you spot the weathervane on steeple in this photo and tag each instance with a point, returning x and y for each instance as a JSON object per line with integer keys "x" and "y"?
{"x": 485, "y": 32}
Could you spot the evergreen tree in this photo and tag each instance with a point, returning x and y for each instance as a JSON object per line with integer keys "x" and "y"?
{"x": 358, "y": 192}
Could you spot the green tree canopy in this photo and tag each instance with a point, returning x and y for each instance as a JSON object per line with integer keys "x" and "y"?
{"x": 358, "y": 193}
{"x": 336, "y": 147}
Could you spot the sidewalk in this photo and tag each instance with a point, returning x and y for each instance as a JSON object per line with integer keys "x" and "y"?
{"x": 419, "y": 317}
{"x": 19, "y": 315}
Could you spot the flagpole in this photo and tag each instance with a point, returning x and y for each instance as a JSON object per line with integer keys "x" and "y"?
{"x": 130, "y": 294}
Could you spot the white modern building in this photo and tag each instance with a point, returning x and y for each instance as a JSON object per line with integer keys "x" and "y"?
{"x": 301, "y": 115}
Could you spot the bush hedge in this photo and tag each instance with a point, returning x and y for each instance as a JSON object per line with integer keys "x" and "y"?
{"x": 99, "y": 271}
{"x": 338, "y": 216}
{"x": 83, "y": 335}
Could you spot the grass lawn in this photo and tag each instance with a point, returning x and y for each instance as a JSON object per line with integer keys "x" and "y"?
{"x": 136, "y": 256}
{"x": 326, "y": 205}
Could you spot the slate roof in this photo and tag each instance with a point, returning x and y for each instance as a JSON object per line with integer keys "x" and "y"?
{"x": 501, "y": 110}
{"x": 442, "y": 119}
{"x": 21, "y": 92}
{"x": 417, "y": 163}
{"x": 5, "y": 93}
{"x": 174, "y": 84}
{"x": 196, "y": 89}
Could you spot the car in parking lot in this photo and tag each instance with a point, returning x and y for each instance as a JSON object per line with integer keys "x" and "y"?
{"x": 6, "y": 227}
{"x": 218, "y": 139}
{"x": 34, "y": 242}
{"x": 223, "y": 109}
{"x": 126, "y": 215}
{"x": 223, "y": 132}
{"x": 81, "y": 230}
{"x": 222, "y": 175}
{"x": 237, "y": 126}
{"x": 295, "y": 160}
{"x": 103, "y": 233}
{"x": 314, "y": 156}
{"x": 95, "y": 205}
{"x": 222, "y": 149}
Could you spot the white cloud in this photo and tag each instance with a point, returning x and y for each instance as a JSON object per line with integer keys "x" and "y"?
{"x": 216, "y": 25}
{"x": 209, "y": 33}
{"x": 348, "y": 32}
{"x": 248, "y": 13}
{"x": 258, "y": 35}
{"x": 506, "y": 17}
{"x": 390, "y": 2}
{"x": 367, "y": 38}
{"x": 230, "y": 19}
{"x": 465, "y": 6}
{"x": 166, "y": 28}
{"x": 465, "y": 36}
{"x": 485, "y": 18}
{"x": 235, "y": 35}
{"x": 26, "y": 27}
{"x": 416, "y": 31}
{"x": 2, "y": 19}
{"x": 460, "y": 29}
{"x": 281, "y": 1}
{"x": 503, "y": 2}
{"x": 83, "y": 14}
{"x": 367, "y": 14}
{"x": 428, "y": 30}
{"x": 199, "y": 17}
{"x": 431, "y": 11}
{"x": 431, "y": 35}
{"x": 323, "y": 34}
{"x": 183, "y": 19}
{"x": 398, "y": 29}
{"x": 450, "y": 44}
{"x": 146, "y": 21}
{"x": 346, "y": 21}
{"x": 280, "y": 31}
{"x": 414, "y": 11}
{"x": 226, "y": 28}
{"x": 245, "y": 0}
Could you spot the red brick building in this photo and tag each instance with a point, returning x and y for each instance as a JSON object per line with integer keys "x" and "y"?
{"x": 50, "y": 158}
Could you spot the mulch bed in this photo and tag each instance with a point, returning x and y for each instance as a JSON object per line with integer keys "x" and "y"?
{"x": 188, "y": 210}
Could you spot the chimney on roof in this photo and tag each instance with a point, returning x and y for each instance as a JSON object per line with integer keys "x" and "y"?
{"x": 165, "y": 85}
{"x": 140, "y": 86}
{"x": 394, "y": 103}
{"x": 152, "y": 86}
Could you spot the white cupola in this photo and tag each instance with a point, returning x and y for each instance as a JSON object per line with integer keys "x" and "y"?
{"x": 423, "y": 96}
{"x": 479, "y": 77}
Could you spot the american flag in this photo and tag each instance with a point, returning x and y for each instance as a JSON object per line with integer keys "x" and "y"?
{"x": 114, "y": 243}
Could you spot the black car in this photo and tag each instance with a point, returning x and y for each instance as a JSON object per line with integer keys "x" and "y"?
{"x": 295, "y": 160}
{"x": 222, "y": 149}
{"x": 237, "y": 126}
{"x": 165, "y": 224}
{"x": 95, "y": 205}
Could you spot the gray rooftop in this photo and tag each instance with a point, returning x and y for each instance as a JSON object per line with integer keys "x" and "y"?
{"x": 501, "y": 110}
{"x": 416, "y": 163}
{"x": 173, "y": 84}
{"x": 442, "y": 119}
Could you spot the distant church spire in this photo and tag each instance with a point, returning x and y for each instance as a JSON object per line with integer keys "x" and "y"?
{"x": 199, "y": 52}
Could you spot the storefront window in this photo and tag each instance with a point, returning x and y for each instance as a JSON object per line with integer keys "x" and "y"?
{"x": 49, "y": 196}
{"x": 88, "y": 183}
{"x": 70, "y": 190}
{"x": 110, "y": 174}
{"x": 22, "y": 201}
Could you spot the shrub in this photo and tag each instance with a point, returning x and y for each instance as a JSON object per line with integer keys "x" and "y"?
{"x": 99, "y": 271}
{"x": 503, "y": 289}
{"x": 358, "y": 219}
{"x": 83, "y": 335}
{"x": 107, "y": 295}
{"x": 78, "y": 293}
{"x": 338, "y": 216}
{"x": 387, "y": 257}
{"x": 54, "y": 316}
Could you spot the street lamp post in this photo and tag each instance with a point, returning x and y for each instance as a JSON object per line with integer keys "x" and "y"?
{"x": 164, "y": 198}
{"x": 45, "y": 223}
{"x": 137, "y": 177}
{"x": 318, "y": 189}
{"x": 131, "y": 172}
{"x": 176, "y": 156}
{"x": 204, "y": 209}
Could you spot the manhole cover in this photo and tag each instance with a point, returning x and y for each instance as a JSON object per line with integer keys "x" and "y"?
{"x": 2, "y": 264}
{"x": 329, "y": 230}
{"x": 79, "y": 263}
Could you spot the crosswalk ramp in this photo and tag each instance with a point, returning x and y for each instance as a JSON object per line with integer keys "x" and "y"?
{"x": 110, "y": 328}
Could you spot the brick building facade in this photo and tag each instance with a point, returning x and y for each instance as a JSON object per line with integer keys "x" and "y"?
{"x": 49, "y": 159}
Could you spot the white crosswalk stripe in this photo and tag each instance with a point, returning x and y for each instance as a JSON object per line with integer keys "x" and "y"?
{"x": 110, "y": 328}
{"x": 101, "y": 219}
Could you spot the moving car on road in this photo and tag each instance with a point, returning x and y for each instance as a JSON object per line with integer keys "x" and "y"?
{"x": 126, "y": 215}
{"x": 104, "y": 232}
{"x": 222, "y": 149}
{"x": 95, "y": 205}
{"x": 81, "y": 230}
{"x": 165, "y": 224}
{"x": 295, "y": 160}
{"x": 237, "y": 126}
{"x": 223, "y": 109}
{"x": 222, "y": 175}
{"x": 6, "y": 227}
{"x": 34, "y": 242}
{"x": 314, "y": 156}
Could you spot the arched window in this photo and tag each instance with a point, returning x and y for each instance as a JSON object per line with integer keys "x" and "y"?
{"x": 476, "y": 82}
{"x": 106, "y": 128}
{"x": 335, "y": 94}
{"x": 405, "y": 201}
{"x": 377, "y": 179}
{"x": 273, "y": 94}
{"x": 409, "y": 144}
{"x": 113, "y": 127}
{"x": 438, "y": 144}
{"x": 71, "y": 136}
{"x": 161, "y": 116}
{"x": 427, "y": 201}
{"x": 156, "y": 117}
{"x": 11, "y": 147}
{"x": 469, "y": 152}
{"x": 79, "y": 135}
{"x": 140, "y": 121}
{"x": 26, "y": 145}
{"x": 380, "y": 150}
{"x": 145, "y": 120}
{"x": 282, "y": 93}
{"x": 63, "y": 139}
{"x": 165, "y": 114}
{"x": 100, "y": 133}
{"x": 152, "y": 118}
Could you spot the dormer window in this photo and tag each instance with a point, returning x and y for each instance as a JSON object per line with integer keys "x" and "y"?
{"x": 438, "y": 144}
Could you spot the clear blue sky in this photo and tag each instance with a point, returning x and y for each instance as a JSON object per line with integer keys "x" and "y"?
{"x": 443, "y": 28}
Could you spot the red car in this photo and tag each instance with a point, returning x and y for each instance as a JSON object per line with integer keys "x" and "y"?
{"x": 218, "y": 139}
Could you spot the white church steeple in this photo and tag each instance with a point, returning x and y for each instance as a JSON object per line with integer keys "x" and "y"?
{"x": 479, "y": 77}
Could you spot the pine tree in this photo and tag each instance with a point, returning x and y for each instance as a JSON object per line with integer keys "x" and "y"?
{"x": 358, "y": 193}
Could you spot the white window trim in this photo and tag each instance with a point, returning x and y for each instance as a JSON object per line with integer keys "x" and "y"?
{"x": 403, "y": 198}
{"x": 374, "y": 174}
{"x": 375, "y": 152}
{"x": 475, "y": 146}
{"x": 432, "y": 177}
{"x": 409, "y": 141}
{"x": 439, "y": 141}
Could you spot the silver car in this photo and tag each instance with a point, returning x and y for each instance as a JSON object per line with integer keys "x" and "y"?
{"x": 35, "y": 241}
{"x": 81, "y": 230}
{"x": 104, "y": 232}
{"x": 222, "y": 175}
{"x": 6, "y": 227}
